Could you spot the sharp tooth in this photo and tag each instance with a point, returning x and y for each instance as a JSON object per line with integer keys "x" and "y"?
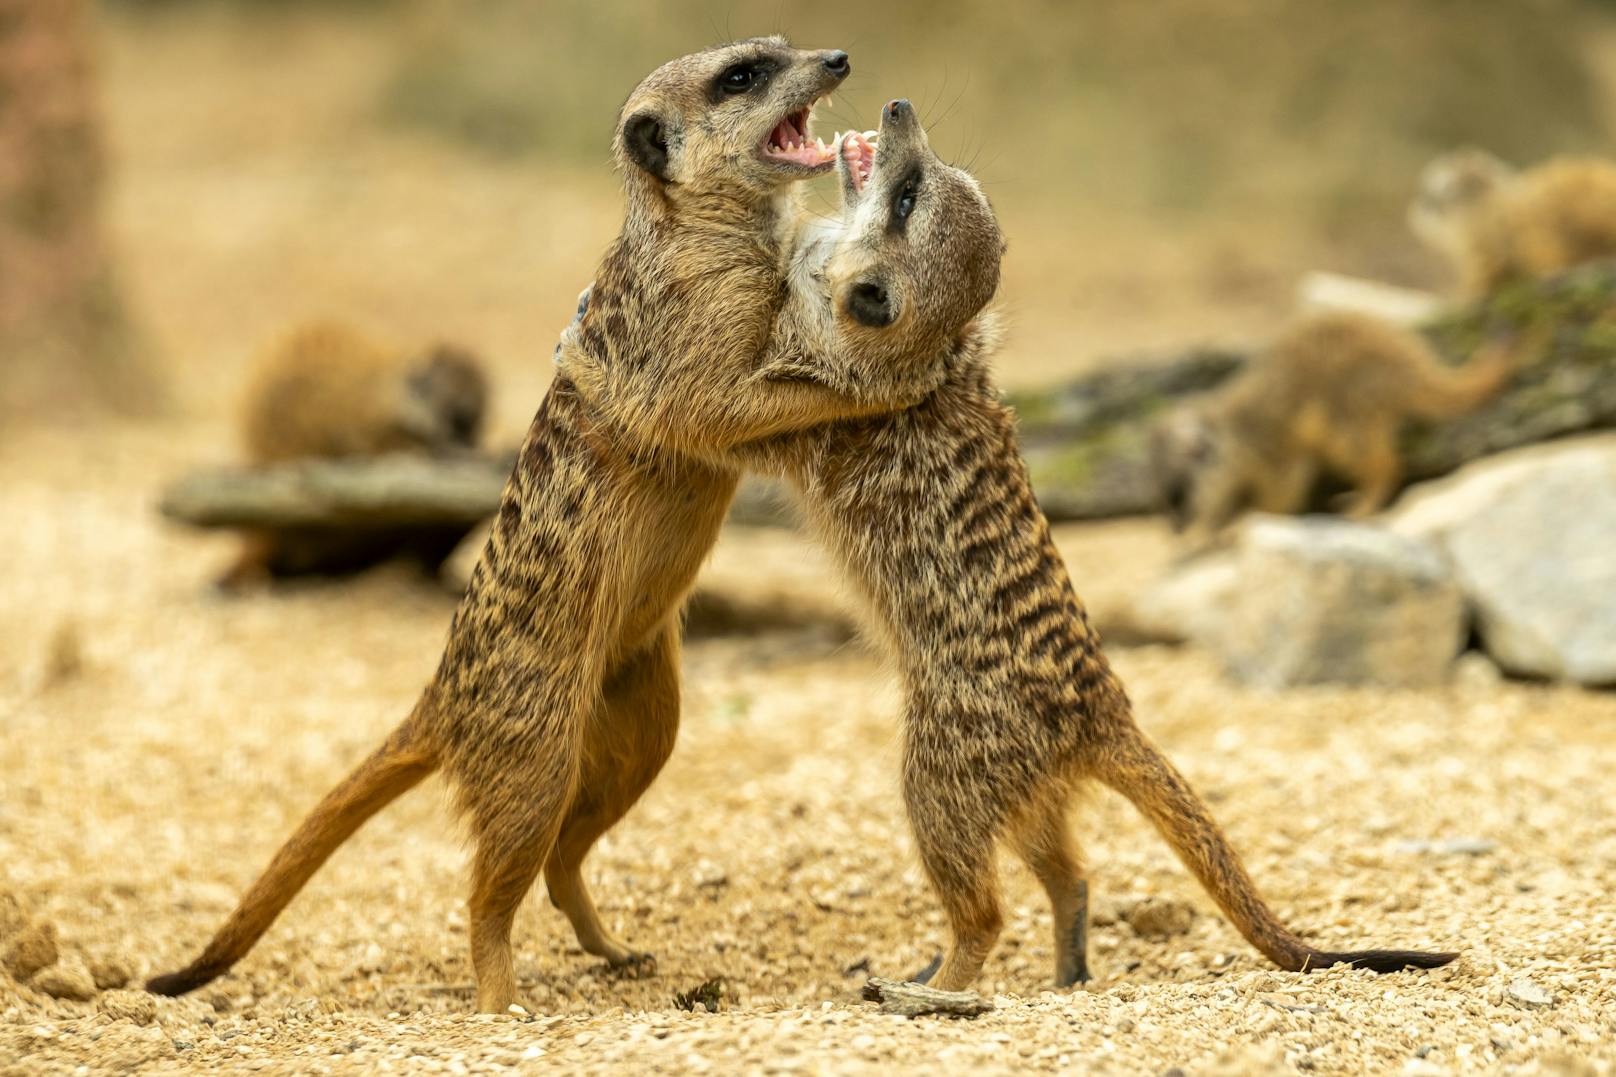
{"x": 828, "y": 101}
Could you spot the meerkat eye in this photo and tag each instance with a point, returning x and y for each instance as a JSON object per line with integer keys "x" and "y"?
{"x": 904, "y": 204}
{"x": 739, "y": 78}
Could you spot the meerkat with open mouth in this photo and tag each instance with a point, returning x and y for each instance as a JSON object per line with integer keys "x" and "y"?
{"x": 557, "y": 698}
{"x": 1011, "y": 704}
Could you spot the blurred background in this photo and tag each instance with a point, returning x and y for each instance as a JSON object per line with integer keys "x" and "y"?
{"x": 1164, "y": 171}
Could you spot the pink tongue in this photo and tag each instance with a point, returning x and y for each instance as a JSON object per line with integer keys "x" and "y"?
{"x": 785, "y": 133}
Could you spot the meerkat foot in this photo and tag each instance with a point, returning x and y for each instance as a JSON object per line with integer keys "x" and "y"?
{"x": 632, "y": 964}
{"x": 925, "y": 974}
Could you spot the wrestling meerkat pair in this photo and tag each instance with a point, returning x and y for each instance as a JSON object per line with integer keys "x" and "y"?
{"x": 327, "y": 391}
{"x": 1011, "y": 705}
{"x": 928, "y": 550}
{"x": 556, "y": 700}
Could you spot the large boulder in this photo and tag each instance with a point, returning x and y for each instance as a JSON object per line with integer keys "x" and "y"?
{"x": 1313, "y": 600}
{"x": 1531, "y": 536}
{"x": 1189, "y": 603}
{"x": 1327, "y": 601}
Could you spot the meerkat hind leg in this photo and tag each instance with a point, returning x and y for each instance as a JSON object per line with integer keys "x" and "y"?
{"x": 1375, "y": 470}
{"x": 958, "y": 855}
{"x": 1045, "y": 844}
{"x": 641, "y": 711}
{"x": 502, "y": 873}
{"x": 1285, "y": 491}
{"x": 517, "y": 816}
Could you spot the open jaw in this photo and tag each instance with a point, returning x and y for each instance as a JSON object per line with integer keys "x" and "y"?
{"x": 858, "y": 151}
{"x": 789, "y": 143}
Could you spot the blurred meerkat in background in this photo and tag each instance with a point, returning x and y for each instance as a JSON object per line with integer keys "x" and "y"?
{"x": 328, "y": 391}
{"x": 1332, "y": 392}
{"x": 1495, "y": 224}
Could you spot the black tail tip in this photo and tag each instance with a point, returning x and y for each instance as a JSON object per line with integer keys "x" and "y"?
{"x": 1382, "y": 960}
{"x": 172, "y": 984}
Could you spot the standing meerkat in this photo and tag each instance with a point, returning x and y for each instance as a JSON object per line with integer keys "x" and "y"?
{"x": 1496, "y": 225}
{"x": 1010, "y": 703}
{"x": 556, "y": 701}
{"x": 1333, "y": 391}
{"x": 327, "y": 391}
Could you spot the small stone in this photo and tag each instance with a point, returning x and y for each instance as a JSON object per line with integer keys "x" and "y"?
{"x": 1528, "y": 995}
{"x": 1159, "y": 918}
{"x": 136, "y": 1006}
{"x": 710, "y": 876}
{"x": 12, "y": 916}
{"x": 374, "y": 959}
{"x": 110, "y": 971}
{"x": 67, "y": 979}
{"x": 32, "y": 949}
{"x": 1450, "y": 847}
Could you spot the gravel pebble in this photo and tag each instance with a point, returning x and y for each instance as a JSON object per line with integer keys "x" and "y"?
{"x": 110, "y": 971}
{"x": 1528, "y": 995}
{"x": 121, "y": 1005}
{"x": 67, "y": 979}
{"x": 31, "y": 949}
{"x": 1159, "y": 918}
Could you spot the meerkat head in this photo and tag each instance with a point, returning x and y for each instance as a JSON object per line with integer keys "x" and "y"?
{"x": 1453, "y": 189}
{"x": 732, "y": 119}
{"x": 445, "y": 396}
{"x": 1183, "y": 447}
{"x": 917, "y": 254}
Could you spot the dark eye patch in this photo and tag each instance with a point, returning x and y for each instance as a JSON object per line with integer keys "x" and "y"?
{"x": 743, "y": 76}
{"x": 904, "y": 200}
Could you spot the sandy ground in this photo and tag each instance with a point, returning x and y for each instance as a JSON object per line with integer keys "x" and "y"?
{"x": 157, "y": 742}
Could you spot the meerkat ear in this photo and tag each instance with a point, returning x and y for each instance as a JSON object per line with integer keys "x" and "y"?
{"x": 646, "y": 142}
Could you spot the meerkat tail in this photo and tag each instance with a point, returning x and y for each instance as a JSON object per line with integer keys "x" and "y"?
{"x": 1142, "y": 774}
{"x": 394, "y": 768}
{"x": 1444, "y": 392}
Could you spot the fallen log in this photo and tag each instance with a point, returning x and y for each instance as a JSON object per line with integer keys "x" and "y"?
{"x": 399, "y": 491}
{"x": 1087, "y": 442}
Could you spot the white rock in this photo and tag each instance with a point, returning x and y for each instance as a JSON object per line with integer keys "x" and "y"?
{"x": 1187, "y": 605}
{"x": 1528, "y": 995}
{"x": 1324, "y": 600}
{"x": 1532, "y": 538}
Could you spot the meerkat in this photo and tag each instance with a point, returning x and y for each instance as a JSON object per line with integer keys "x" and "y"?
{"x": 329, "y": 390}
{"x": 326, "y": 391}
{"x": 556, "y": 700}
{"x": 1496, "y": 225}
{"x": 1331, "y": 392}
{"x": 1010, "y": 702}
